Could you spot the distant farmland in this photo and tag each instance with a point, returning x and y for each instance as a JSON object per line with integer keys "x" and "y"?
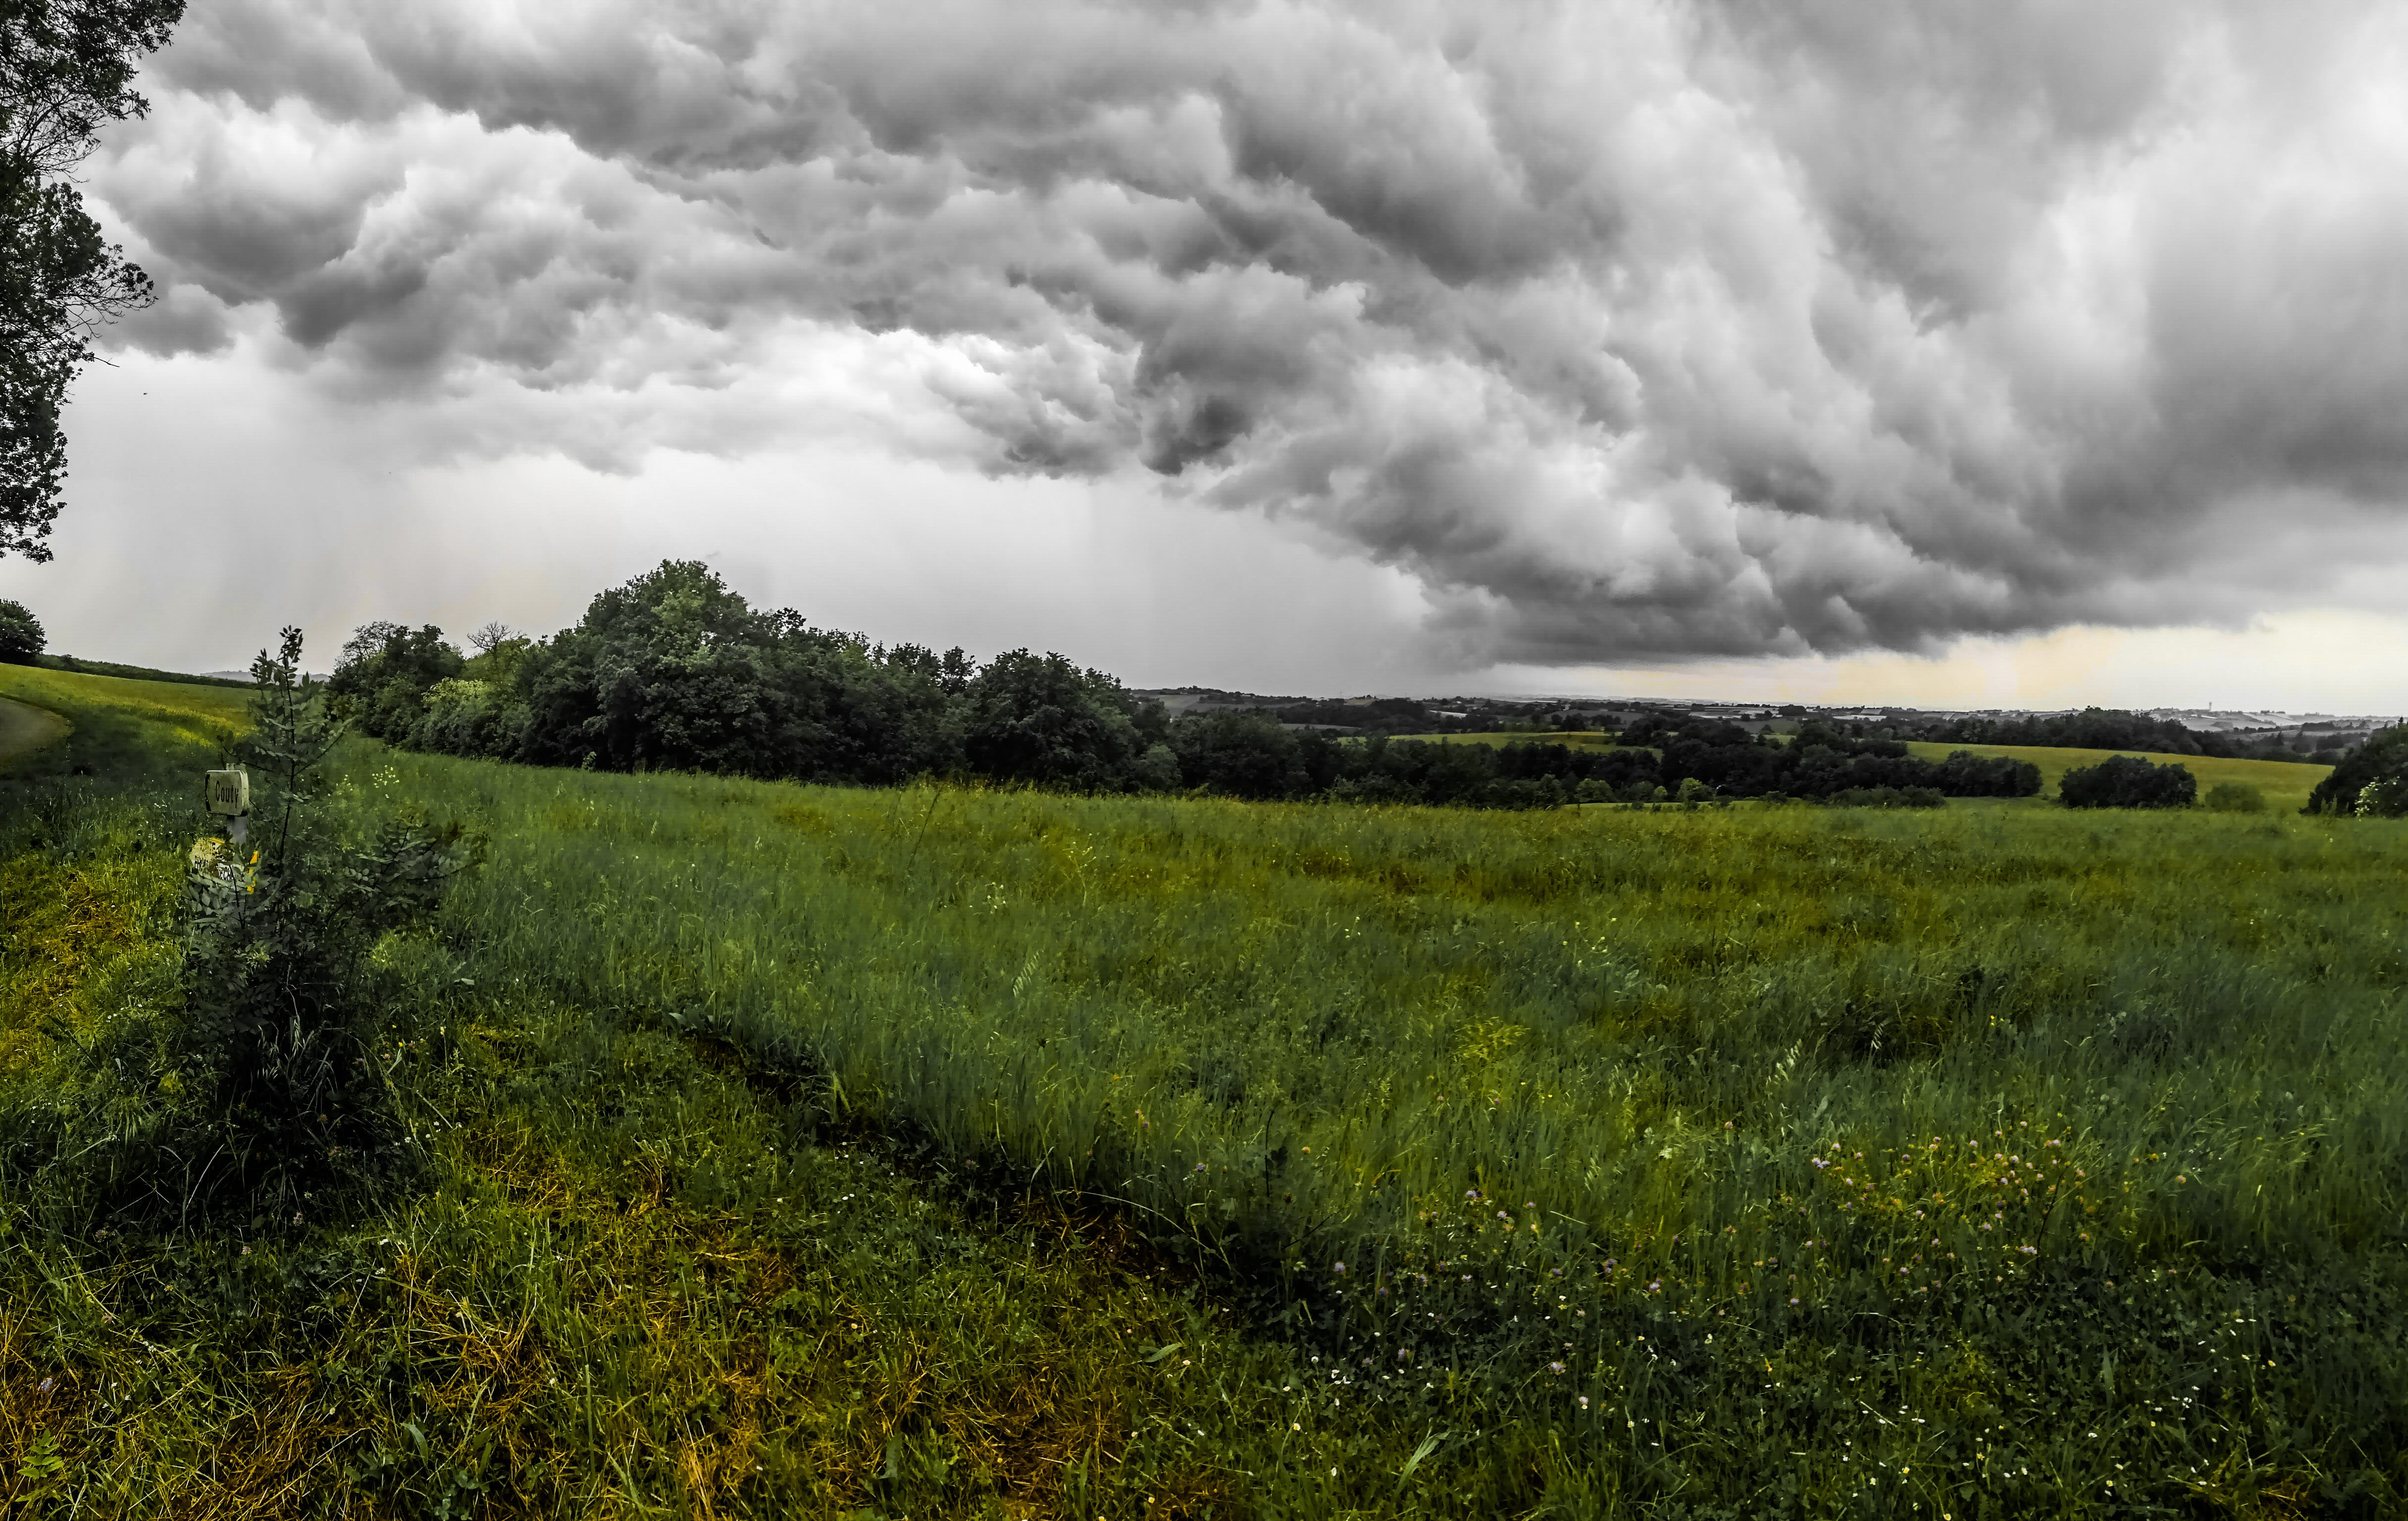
{"x": 2286, "y": 784}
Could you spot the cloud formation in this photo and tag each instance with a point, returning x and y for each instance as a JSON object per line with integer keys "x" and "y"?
{"x": 1633, "y": 328}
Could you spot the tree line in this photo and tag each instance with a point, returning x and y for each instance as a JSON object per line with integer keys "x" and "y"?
{"x": 674, "y": 672}
{"x": 2112, "y": 728}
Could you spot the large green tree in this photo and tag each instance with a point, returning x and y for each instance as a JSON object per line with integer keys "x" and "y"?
{"x": 66, "y": 68}
{"x": 1039, "y": 719}
{"x": 21, "y": 634}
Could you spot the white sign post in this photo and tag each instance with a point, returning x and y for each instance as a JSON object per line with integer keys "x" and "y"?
{"x": 229, "y": 794}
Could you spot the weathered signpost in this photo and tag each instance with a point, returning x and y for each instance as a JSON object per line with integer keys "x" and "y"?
{"x": 229, "y": 794}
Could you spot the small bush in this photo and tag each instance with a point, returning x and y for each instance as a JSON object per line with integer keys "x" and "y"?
{"x": 2371, "y": 781}
{"x": 2235, "y": 798}
{"x": 265, "y": 1094}
{"x": 2127, "y": 782}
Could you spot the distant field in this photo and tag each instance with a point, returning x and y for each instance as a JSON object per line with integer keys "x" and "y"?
{"x": 2286, "y": 785}
{"x": 124, "y": 723}
{"x": 1577, "y": 740}
{"x": 137, "y": 673}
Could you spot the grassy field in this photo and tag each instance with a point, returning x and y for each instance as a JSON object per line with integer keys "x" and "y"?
{"x": 123, "y": 726}
{"x": 942, "y": 1152}
{"x": 2285, "y": 784}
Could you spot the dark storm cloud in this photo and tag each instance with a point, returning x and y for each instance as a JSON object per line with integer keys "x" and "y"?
{"x": 1632, "y": 329}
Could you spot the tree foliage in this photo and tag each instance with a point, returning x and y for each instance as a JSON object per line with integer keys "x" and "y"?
{"x": 21, "y": 634}
{"x": 675, "y": 671}
{"x": 2128, "y": 781}
{"x": 2379, "y": 768}
{"x": 66, "y": 68}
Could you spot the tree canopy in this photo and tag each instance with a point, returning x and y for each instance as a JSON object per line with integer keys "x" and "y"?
{"x": 66, "y": 68}
{"x": 2371, "y": 780}
{"x": 2127, "y": 782}
{"x": 21, "y": 634}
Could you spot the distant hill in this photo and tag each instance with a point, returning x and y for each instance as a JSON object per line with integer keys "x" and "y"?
{"x": 138, "y": 673}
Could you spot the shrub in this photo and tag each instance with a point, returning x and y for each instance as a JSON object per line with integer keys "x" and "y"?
{"x": 2127, "y": 782}
{"x": 2383, "y": 760}
{"x": 2235, "y": 798}
{"x": 265, "y": 1095}
{"x": 21, "y": 634}
{"x": 2385, "y": 797}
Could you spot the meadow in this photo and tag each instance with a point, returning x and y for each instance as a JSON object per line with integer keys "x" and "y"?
{"x": 123, "y": 727}
{"x": 1288, "y": 1159}
{"x": 2283, "y": 785}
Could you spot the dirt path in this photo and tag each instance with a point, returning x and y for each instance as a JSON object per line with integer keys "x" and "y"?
{"x": 24, "y": 727}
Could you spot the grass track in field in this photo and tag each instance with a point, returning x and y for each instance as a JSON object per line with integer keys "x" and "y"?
{"x": 24, "y": 728}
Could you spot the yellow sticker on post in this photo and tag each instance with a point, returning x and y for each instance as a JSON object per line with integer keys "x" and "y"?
{"x": 229, "y": 791}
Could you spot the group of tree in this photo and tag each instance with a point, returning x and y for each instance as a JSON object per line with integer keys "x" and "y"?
{"x": 21, "y": 634}
{"x": 674, "y": 672}
{"x": 2371, "y": 781}
{"x": 2128, "y": 781}
{"x": 1819, "y": 762}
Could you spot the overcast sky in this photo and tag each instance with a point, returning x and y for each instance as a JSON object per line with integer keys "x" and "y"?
{"x": 1960, "y": 352}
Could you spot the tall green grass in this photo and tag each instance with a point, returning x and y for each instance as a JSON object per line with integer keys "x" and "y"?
{"x": 623, "y": 1282}
{"x": 1840, "y": 1087}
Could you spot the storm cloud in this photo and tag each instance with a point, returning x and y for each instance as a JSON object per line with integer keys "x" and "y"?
{"x": 1632, "y": 329}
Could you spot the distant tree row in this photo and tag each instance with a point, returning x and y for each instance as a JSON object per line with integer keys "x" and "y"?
{"x": 2110, "y": 728}
{"x": 674, "y": 672}
{"x": 1819, "y": 762}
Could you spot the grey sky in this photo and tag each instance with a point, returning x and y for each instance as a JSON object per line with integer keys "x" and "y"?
{"x": 1542, "y": 337}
